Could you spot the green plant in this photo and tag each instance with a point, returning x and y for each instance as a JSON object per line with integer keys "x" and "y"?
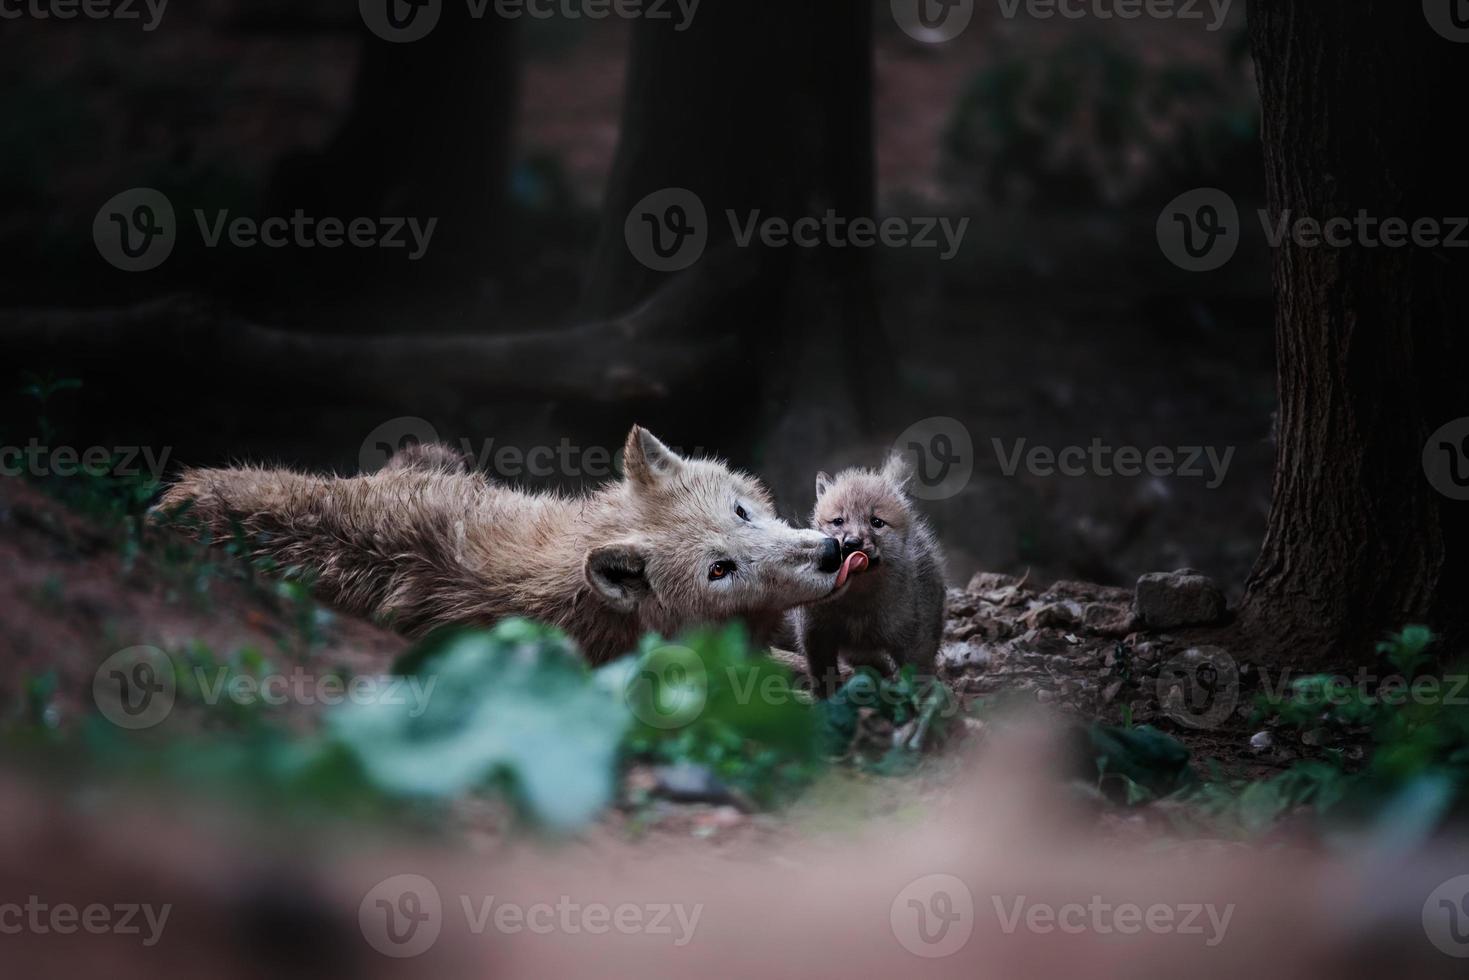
{"x": 514, "y": 706}
{"x": 884, "y": 724}
{"x": 1416, "y": 767}
{"x": 712, "y": 700}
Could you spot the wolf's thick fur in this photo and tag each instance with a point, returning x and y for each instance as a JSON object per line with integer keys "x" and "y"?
{"x": 424, "y": 542}
{"x": 896, "y": 607}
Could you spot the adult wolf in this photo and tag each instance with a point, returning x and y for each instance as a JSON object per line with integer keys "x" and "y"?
{"x": 426, "y": 542}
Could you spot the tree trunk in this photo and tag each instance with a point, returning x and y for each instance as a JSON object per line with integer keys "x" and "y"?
{"x": 1361, "y": 103}
{"x": 761, "y": 111}
{"x": 427, "y": 134}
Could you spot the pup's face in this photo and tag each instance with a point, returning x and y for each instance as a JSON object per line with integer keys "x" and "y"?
{"x": 866, "y": 511}
{"x": 705, "y": 545}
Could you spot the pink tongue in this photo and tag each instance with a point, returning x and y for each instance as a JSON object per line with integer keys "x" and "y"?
{"x": 856, "y": 562}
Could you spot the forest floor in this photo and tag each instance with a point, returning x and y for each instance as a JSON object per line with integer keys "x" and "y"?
{"x": 75, "y": 591}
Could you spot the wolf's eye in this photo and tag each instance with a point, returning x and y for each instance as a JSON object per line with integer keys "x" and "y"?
{"x": 740, "y": 513}
{"x": 720, "y": 569}
{"x": 838, "y": 521}
{"x": 879, "y": 522}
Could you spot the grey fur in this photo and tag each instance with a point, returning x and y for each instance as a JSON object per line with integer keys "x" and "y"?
{"x": 896, "y": 607}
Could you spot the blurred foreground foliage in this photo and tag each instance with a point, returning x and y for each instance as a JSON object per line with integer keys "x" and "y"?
{"x": 1411, "y": 780}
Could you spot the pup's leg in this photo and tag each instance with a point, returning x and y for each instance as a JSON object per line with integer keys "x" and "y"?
{"x": 821, "y": 663}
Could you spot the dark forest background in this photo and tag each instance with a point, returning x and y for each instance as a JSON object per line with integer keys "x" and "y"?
{"x": 1059, "y": 320}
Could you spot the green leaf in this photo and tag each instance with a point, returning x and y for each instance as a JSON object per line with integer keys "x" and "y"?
{"x": 515, "y": 705}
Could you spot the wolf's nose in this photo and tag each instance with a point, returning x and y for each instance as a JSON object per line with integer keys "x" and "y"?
{"x": 831, "y": 556}
{"x": 850, "y": 545}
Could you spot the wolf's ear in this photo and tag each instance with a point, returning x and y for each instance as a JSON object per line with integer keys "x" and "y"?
{"x": 646, "y": 460}
{"x": 898, "y": 470}
{"x": 823, "y": 483}
{"x": 618, "y": 573}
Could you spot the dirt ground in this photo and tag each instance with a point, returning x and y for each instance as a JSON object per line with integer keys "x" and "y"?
{"x": 73, "y": 594}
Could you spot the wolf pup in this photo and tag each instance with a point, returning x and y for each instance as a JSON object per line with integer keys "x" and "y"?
{"x": 895, "y": 606}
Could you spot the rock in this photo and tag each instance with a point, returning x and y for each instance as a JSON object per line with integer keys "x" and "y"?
{"x": 1316, "y": 736}
{"x": 1110, "y": 692}
{"x": 1262, "y": 742}
{"x": 686, "y": 782}
{"x": 1057, "y": 615}
{"x": 983, "y": 582}
{"x": 960, "y": 656}
{"x": 961, "y": 604}
{"x": 1168, "y": 600}
{"x": 1088, "y": 592}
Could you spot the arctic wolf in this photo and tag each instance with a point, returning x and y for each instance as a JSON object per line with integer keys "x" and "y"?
{"x": 424, "y": 543}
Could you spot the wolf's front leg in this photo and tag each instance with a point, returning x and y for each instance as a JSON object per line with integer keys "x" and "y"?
{"x": 388, "y": 545}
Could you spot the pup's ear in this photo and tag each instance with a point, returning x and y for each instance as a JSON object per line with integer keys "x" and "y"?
{"x": 618, "y": 573}
{"x": 898, "y": 470}
{"x": 646, "y": 460}
{"x": 823, "y": 484}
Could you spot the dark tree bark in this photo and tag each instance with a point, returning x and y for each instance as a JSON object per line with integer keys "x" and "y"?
{"x": 427, "y": 134}
{"x": 759, "y": 109}
{"x": 1362, "y": 107}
